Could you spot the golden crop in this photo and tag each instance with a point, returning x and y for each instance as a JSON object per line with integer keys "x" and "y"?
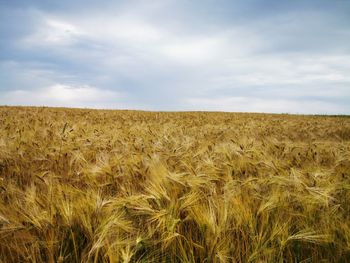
{"x": 131, "y": 186}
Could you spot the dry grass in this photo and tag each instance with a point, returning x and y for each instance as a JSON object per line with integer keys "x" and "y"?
{"x": 129, "y": 186}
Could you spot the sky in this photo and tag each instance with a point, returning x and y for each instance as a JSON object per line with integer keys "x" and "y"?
{"x": 273, "y": 56}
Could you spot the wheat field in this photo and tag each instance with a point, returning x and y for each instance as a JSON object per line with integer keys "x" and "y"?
{"x": 80, "y": 185}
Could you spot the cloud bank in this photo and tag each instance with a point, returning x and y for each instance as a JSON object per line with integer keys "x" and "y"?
{"x": 64, "y": 96}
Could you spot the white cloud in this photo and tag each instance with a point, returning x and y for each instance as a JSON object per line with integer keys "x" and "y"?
{"x": 53, "y": 32}
{"x": 125, "y": 37}
{"x": 124, "y": 28}
{"x": 189, "y": 50}
{"x": 251, "y": 104}
{"x": 64, "y": 96}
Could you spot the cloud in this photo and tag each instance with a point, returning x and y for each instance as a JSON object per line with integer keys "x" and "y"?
{"x": 64, "y": 95}
{"x": 251, "y": 104}
{"x": 53, "y": 32}
{"x": 296, "y": 69}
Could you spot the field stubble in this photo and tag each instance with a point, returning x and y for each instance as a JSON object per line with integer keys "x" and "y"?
{"x": 129, "y": 186}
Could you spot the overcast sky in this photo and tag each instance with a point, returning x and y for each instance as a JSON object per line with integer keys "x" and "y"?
{"x": 248, "y": 56}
